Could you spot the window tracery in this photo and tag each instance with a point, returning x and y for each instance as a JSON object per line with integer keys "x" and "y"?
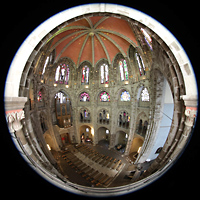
{"x": 62, "y": 74}
{"x": 145, "y": 95}
{"x": 125, "y": 96}
{"x": 85, "y": 75}
{"x": 84, "y": 97}
{"x": 123, "y": 68}
{"x": 104, "y": 97}
{"x": 141, "y": 65}
{"x": 104, "y": 74}
{"x": 104, "y": 117}
{"x": 124, "y": 119}
{"x": 85, "y": 115}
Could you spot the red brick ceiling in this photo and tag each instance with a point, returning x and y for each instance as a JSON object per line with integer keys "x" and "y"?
{"x": 111, "y": 31}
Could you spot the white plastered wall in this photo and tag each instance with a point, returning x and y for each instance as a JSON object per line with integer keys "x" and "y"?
{"x": 22, "y": 55}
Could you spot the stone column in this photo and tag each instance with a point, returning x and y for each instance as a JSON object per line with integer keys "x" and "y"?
{"x": 190, "y": 114}
{"x": 132, "y": 126}
{"x": 14, "y": 114}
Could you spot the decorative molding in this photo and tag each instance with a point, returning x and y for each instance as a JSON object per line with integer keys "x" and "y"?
{"x": 190, "y": 116}
{"x": 14, "y": 120}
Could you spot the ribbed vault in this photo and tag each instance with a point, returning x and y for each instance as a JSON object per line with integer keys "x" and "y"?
{"x": 93, "y": 38}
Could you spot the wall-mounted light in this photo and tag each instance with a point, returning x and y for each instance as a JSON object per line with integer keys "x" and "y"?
{"x": 48, "y": 146}
{"x": 139, "y": 149}
{"x": 92, "y": 131}
{"x": 126, "y": 82}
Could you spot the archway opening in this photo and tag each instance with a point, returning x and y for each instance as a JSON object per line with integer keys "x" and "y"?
{"x": 135, "y": 148}
{"x": 86, "y": 134}
{"x": 121, "y": 141}
{"x": 103, "y": 136}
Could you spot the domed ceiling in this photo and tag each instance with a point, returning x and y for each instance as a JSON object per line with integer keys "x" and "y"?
{"x": 93, "y": 38}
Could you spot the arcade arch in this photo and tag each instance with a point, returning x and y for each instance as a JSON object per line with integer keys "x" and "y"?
{"x": 103, "y": 136}
{"x": 85, "y": 134}
{"x": 136, "y": 147}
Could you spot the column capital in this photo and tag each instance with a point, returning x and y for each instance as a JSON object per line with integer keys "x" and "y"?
{"x": 14, "y": 120}
{"x": 190, "y": 114}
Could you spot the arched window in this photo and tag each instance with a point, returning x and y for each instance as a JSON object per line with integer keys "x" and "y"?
{"x": 147, "y": 38}
{"x": 104, "y": 97}
{"x": 125, "y": 96}
{"x": 45, "y": 65}
{"x": 104, "y": 74}
{"x": 104, "y": 117}
{"x": 62, "y": 74}
{"x": 123, "y": 120}
{"x": 140, "y": 64}
{"x": 84, "y": 97}
{"x": 123, "y": 68}
{"x": 145, "y": 95}
{"x": 39, "y": 96}
{"x": 85, "y": 75}
{"x": 85, "y": 115}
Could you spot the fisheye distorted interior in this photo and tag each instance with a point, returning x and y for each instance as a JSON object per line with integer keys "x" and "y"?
{"x": 102, "y": 102}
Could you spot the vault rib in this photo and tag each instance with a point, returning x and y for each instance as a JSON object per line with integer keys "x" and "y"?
{"x": 104, "y": 48}
{"x": 70, "y": 44}
{"x": 81, "y": 51}
{"x": 111, "y": 40}
{"x": 64, "y": 38}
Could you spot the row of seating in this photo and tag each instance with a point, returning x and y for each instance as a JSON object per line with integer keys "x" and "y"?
{"x": 91, "y": 175}
{"x": 105, "y": 161}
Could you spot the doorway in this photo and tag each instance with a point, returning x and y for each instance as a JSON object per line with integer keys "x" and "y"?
{"x": 136, "y": 148}
{"x": 121, "y": 140}
{"x": 103, "y": 136}
{"x": 86, "y": 134}
{"x": 65, "y": 138}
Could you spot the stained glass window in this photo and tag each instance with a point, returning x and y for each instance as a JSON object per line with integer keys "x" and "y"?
{"x": 67, "y": 77}
{"x": 125, "y": 96}
{"x": 85, "y": 114}
{"x": 145, "y": 95}
{"x": 39, "y": 96}
{"x": 85, "y": 76}
{"x": 84, "y": 97}
{"x": 62, "y": 74}
{"x": 57, "y": 74}
{"x": 45, "y": 64}
{"x": 104, "y": 97}
{"x": 147, "y": 38}
{"x": 140, "y": 64}
{"x": 104, "y": 74}
{"x": 123, "y": 68}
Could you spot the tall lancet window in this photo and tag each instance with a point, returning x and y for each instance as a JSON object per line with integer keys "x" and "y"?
{"x": 145, "y": 95}
{"x": 123, "y": 68}
{"x": 147, "y": 38}
{"x": 104, "y": 74}
{"x": 141, "y": 65}
{"x": 85, "y": 75}
{"x": 62, "y": 74}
